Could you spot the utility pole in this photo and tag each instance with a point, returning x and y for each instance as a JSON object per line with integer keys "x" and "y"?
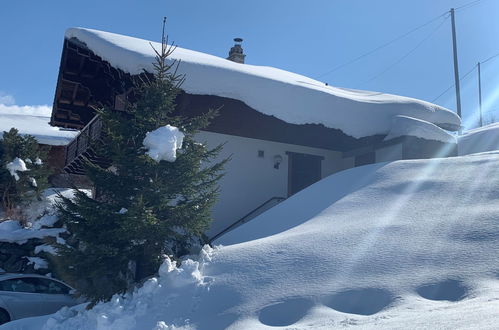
{"x": 480, "y": 93}
{"x": 456, "y": 66}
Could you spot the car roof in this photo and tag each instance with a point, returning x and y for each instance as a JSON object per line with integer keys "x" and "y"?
{"x": 6, "y": 276}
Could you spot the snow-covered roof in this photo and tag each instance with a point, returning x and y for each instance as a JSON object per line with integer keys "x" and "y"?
{"x": 407, "y": 126}
{"x": 288, "y": 96}
{"x": 38, "y": 126}
{"x": 480, "y": 139}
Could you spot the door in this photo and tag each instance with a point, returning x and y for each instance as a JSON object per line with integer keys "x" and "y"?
{"x": 303, "y": 170}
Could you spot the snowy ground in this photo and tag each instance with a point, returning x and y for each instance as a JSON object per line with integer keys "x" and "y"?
{"x": 407, "y": 244}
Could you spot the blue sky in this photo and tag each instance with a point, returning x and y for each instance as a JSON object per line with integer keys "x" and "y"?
{"x": 308, "y": 37}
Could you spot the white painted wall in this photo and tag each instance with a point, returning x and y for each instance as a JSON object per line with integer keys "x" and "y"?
{"x": 390, "y": 153}
{"x": 249, "y": 180}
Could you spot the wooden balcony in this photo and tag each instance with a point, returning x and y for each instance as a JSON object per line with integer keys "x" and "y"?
{"x": 81, "y": 148}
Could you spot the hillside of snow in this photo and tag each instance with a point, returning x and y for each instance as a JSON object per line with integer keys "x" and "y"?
{"x": 480, "y": 139}
{"x": 406, "y": 244}
{"x": 288, "y": 96}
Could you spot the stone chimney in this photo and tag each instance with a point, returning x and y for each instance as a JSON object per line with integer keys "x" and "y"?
{"x": 236, "y": 52}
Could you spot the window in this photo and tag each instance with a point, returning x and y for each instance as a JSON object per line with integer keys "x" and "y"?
{"x": 18, "y": 285}
{"x": 34, "y": 285}
{"x": 51, "y": 287}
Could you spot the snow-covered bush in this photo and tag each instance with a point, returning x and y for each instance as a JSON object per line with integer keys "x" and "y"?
{"x": 24, "y": 248}
{"x": 23, "y": 173}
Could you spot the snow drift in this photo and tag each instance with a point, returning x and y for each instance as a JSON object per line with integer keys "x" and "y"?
{"x": 480, "y": 139}
{"x": 392, "y": 245}
{"x": 407, "y": 126}
{"x": 288, "y": 96}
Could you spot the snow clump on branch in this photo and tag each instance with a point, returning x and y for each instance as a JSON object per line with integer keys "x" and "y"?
{"x": 17, "y": 165}
{"x": 163, "y": 143}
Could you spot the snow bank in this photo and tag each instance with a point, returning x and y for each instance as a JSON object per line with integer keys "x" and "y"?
{"x": 407, "y": 126}
{"x": 481, "y": 139}
{"x": 37, "y": 126}
{"x": 389, "y": 246}
{"x": 163, "y": 143}
{"x": 16, "y": 165}
{"x": 12, "y": 232}
{"x": 41, "y": 217}
{"x": 288, "y": 96}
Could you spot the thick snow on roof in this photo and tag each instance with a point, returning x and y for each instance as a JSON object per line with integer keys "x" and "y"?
{"x": 480, "y": 139}
{"x": 389, "y": 246}
{"x": 38, "y": 126}
{"x": 288, "y": 96}
{"x": 407, "y": 126}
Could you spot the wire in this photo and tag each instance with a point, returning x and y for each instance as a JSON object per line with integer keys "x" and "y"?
{"x": 467, "y": 5}
{"x": 381, "y": 46}
{"x": 408, "y": 53}
{"x": 490, "y": 58}
{"x": 450, "y": 87}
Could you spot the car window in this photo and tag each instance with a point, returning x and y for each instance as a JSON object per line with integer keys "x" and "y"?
{"x": 18, "y": 285}
{"x": 51, "y": 287}
{"x": 34, "y": 285}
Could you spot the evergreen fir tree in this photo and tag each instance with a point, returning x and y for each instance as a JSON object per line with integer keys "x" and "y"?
{"x": 19, "y": 188}
{"x": 142, "y": 209}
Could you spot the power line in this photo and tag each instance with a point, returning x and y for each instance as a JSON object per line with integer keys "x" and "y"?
{"x": 381, "y": 47}
{"x": 450, "y": 87}
{"x": 490, "y": 58}
{"x": 408, "y": 53}
{"x": 467, "y": 5}
{"x": 469, "y": 72}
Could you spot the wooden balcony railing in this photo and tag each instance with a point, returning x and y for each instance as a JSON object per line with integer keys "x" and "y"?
{"x": 80, "y": 146}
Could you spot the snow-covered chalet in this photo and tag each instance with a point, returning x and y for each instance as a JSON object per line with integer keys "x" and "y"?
{"x": 283, "y": 131}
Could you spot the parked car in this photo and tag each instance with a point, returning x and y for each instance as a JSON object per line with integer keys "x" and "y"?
{"x": 26, "y": 295}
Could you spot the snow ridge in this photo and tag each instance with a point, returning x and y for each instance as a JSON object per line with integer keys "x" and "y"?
{"x": 480, "y": 139}
{"x": 407, "y": 126}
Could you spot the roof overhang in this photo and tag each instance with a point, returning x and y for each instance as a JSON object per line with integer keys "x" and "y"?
{"x": 86, "y": 82}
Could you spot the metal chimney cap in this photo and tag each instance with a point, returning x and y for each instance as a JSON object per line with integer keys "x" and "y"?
{"x": 238, "y": 40}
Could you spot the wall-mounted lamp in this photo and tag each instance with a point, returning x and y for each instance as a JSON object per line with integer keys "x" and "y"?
{"x": 277, "y": 161}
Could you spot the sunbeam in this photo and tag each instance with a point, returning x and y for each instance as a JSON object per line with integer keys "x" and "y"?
{"x": 430, "y": 171}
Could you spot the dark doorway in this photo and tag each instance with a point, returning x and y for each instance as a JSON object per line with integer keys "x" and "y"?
{"x": 365, "y": 159}
{"x": 303, "y": 170}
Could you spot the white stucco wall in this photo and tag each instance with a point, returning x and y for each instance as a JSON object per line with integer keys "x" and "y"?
{"x": 389, "y": 153}
{"x": 250, "y": 180}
